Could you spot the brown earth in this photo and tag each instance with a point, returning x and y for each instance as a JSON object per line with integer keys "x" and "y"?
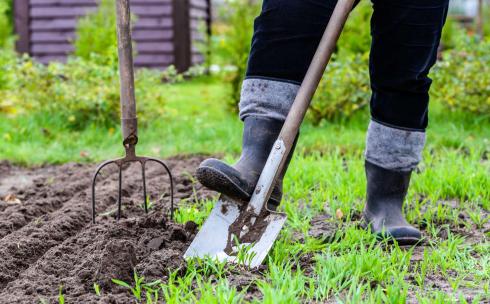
{"x": 47, "y": 239}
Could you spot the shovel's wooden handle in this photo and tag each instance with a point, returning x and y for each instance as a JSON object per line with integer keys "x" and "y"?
{"x": 298, "y": 110}
{"x": 126, "y": 73}
{"x": 315, "y": 72}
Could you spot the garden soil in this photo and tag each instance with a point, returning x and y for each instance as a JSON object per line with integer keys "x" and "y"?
{"x": 47, "y": 240}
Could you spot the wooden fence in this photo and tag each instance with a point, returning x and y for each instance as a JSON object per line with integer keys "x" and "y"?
{"x": 166, "y": 31}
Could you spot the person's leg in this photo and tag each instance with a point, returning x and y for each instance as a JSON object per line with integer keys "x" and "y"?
{"x": 406, "y": 35}
{"x": 286, "y": 35}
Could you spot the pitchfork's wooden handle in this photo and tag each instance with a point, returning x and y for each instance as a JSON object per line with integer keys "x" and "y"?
{"x": 126, "y": 75}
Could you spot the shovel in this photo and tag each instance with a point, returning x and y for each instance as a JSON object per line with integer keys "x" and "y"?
{"x": 244, "y": 233}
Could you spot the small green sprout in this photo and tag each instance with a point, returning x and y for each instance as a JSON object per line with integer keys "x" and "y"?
{"x": 96, "y": 289}
{"x": 61, "y": 296}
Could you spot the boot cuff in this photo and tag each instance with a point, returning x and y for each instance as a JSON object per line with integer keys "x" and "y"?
{"x": 394, "y": 149}
{"x": 267, "y": 98}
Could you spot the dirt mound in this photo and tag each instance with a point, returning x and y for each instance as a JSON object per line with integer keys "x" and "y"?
{"x": 47, "y": 241}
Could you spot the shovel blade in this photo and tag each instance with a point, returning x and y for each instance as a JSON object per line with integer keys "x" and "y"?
{"x": 216, "y": 239}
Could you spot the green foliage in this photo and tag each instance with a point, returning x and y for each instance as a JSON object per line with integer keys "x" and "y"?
{"x": 452, "y": 33}
{"x": 139, "y": 288}
{"x": 97, "y": 289}
{"x": 6, "y": 23}
{"x": 486, "y": 20}
{"x": 343, "y": 90}
{"x": 235, "y": 42}
{"x": 198, "y": 212}
{"x": 462, "y": 78}
{"x": 96, "y": 34}
{"x": 356, "y": 36}
{"x": 61, "y": 296}
{"x": 204, "y": 44}
{"x": 82, "y": 91}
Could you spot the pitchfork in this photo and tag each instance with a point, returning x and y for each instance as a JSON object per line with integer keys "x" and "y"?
{"x": 129, "y": 123}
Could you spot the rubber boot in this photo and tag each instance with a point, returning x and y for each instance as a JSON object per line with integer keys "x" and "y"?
{"x": 239, "y": 181}
{"x": 386, "y": 191}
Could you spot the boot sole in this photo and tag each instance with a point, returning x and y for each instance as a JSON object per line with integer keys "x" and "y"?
{"x": 401, "y": 241}
{"x": 219, "y": 182}
{"x": 407, "y": 241}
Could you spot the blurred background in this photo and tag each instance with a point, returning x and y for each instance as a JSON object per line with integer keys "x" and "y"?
{"x": 166, "y": 32}
{"x": 59, "y": 74}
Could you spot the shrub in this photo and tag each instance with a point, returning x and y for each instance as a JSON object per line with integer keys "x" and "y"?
{"x": 85, "y": 90}
{"x": 462, "y": 78}
{"x": 235, "y": 41}
{"x": 343, "y": 90}
{"x": 486, "y": 18}
{"x": 452, "y": 33}
{"x": 96, "y": 34}
{"x": 7, "y": 105}
{"x": 82, "y": 92}
{"x": 356, "y": 36}
{"x": 6, "y": 23}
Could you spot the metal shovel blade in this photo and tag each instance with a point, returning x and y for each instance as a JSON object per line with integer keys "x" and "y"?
{"x": 226, "y": 237}
{"x": 233, "y": 225}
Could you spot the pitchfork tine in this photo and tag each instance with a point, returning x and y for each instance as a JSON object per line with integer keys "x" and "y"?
{"x": 119, "y": 195}
{"x": 97, "y": 171}
{"x": 171, "y": 185}
{"x": 143, "y": 163}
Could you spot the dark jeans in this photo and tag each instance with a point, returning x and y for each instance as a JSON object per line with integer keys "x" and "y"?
{"x": 406, "y": 35}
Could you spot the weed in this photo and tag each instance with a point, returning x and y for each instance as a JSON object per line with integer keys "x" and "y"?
{"x": 149, "y": 204}
{"x": 136, "y": 289}
{"x": 96, "y": 289}
{"x": 61, "y": 296}
{"x": 196, "y": 212}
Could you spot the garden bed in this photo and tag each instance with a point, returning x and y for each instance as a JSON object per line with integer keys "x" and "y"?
{"x": 48, "y": 243}
{"x": 48, "y": 240}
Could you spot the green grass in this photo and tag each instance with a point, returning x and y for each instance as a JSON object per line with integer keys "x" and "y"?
{"x": 450, "y": 197}
{"x": 196, "y": 121}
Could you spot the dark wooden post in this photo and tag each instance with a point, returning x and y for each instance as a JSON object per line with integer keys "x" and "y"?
{"x": 209, "y": 18}
{"x": 209, "y": 33}
{"x": 182, "y": 35}
{"x": 21, "y": 24}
